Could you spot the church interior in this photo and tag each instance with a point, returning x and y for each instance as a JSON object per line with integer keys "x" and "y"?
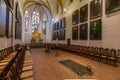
{"x": 59, "y": 39}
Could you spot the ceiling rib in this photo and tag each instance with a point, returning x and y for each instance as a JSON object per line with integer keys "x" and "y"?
{"x": 41, "y": 3}
{"x": 46, "y": 4}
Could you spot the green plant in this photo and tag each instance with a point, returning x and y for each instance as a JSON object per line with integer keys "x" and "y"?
{"x": 90, "y": 69}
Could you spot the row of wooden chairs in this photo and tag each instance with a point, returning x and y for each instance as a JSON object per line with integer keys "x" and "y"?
{"x": 27, "y": 70}
{"x": 19, "y": 67}
{"x": 9, "y": 65}
{"x": 6, "y": 56}
{"x": 16, "y": 68}
{"x": 18, "y": 47}
{"x": 5, "y": 52}
{"x": 6, "y": 59}
{"x": 106, "y": 55}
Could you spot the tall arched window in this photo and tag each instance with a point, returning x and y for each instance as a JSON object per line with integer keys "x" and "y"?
{"x": 26, "y": 21}
{"x": 35, "y": 21}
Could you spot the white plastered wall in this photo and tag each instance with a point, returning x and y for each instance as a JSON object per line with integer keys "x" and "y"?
{"x": 6, "y": 42}
{"x": 110, "y": 26}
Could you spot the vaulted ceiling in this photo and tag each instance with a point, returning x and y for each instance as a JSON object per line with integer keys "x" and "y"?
{"x": 45, "y": 4}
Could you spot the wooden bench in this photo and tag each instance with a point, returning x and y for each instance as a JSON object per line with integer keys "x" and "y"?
{"x": 6, "y": 55}
{"x": 18, "y": 47}
{"x": 17, "y": 66}
{"x": 27, "y": 71}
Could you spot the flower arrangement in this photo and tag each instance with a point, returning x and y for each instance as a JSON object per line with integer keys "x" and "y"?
{"x": 89, "y": 68}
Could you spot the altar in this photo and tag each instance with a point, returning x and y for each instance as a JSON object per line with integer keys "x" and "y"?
{"x": 36, "y": 41}
{"x": 36, "y": 37}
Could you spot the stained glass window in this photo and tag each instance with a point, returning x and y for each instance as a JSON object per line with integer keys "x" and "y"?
{"x": 26, "y": 21}
{"x": 35, "y": 20}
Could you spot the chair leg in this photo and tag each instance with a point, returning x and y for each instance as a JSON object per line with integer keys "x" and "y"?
{"x": 115, "y": 63}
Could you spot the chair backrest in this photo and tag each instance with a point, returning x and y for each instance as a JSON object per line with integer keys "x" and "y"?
{"x": 113, "y": 53}
{"x": 118, "y": 52}
{"x": 100, "y": 50}
{"x": 106, "y": 51}
{"x": 88, "y": 49}
{"x": 77, "y": 47}
{"x": 3, "y": 54}
{"x": 0, "y": 55}
{"x": 17, "y": 45}
{"x": 85, "y": 48}
{"x": 96, "y": 50}
{"x": 91, "y": 49}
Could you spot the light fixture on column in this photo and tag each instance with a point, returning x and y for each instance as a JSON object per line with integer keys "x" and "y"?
{"x": 52, "y": 20}
{"x": 65, "y": 10}
{"x": 26, "y": 12}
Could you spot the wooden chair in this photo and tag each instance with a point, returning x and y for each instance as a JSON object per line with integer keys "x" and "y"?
{"x": 104, "y": 55}
{"x": 88, "y": 52}
{"x": 77, "y": 50}
{"x": 112, "y": 57}
{"x": 27, "y": 70}
{"x": 91, "y": 51}
{"x": 80, "y": 50}
{"x": 118, "y": 55}
{"x": 13, "y": 68}
{"x": 96, "y": 54}
{"x": 84, "y": 51}
{"x": 100, "y": 51}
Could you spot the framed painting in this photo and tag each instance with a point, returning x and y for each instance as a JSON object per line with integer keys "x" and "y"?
{"x": 75, "y": 17}
{"x": 60, "y": 24}
{"x": 96, "y": 30}
{"x": 17, "y": 10}
{"x": 63, "y": 23}
{"x": 18, "y": 30}
{"x": 53, "y": 27}
{"x": 75, "y": 33}
{"x": 10, "y": 24}
{"x": 95, "y": 9}
{"x": 53, "y": 36}
{"x": 56, "y": 35}
{"x": 63, "y": 34}
{"x": 20, "y": 18}
{"x": 84, "y": 31}
{"x": 3, "y": 18}
{"x": 18, "y": 25}
{"x": 18, "y": 14}
{"x": 84, "y": 13}
{"x": 112, "y": 6}
{"x": 57, "y": 26}
{"x": 59, "y": 35}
